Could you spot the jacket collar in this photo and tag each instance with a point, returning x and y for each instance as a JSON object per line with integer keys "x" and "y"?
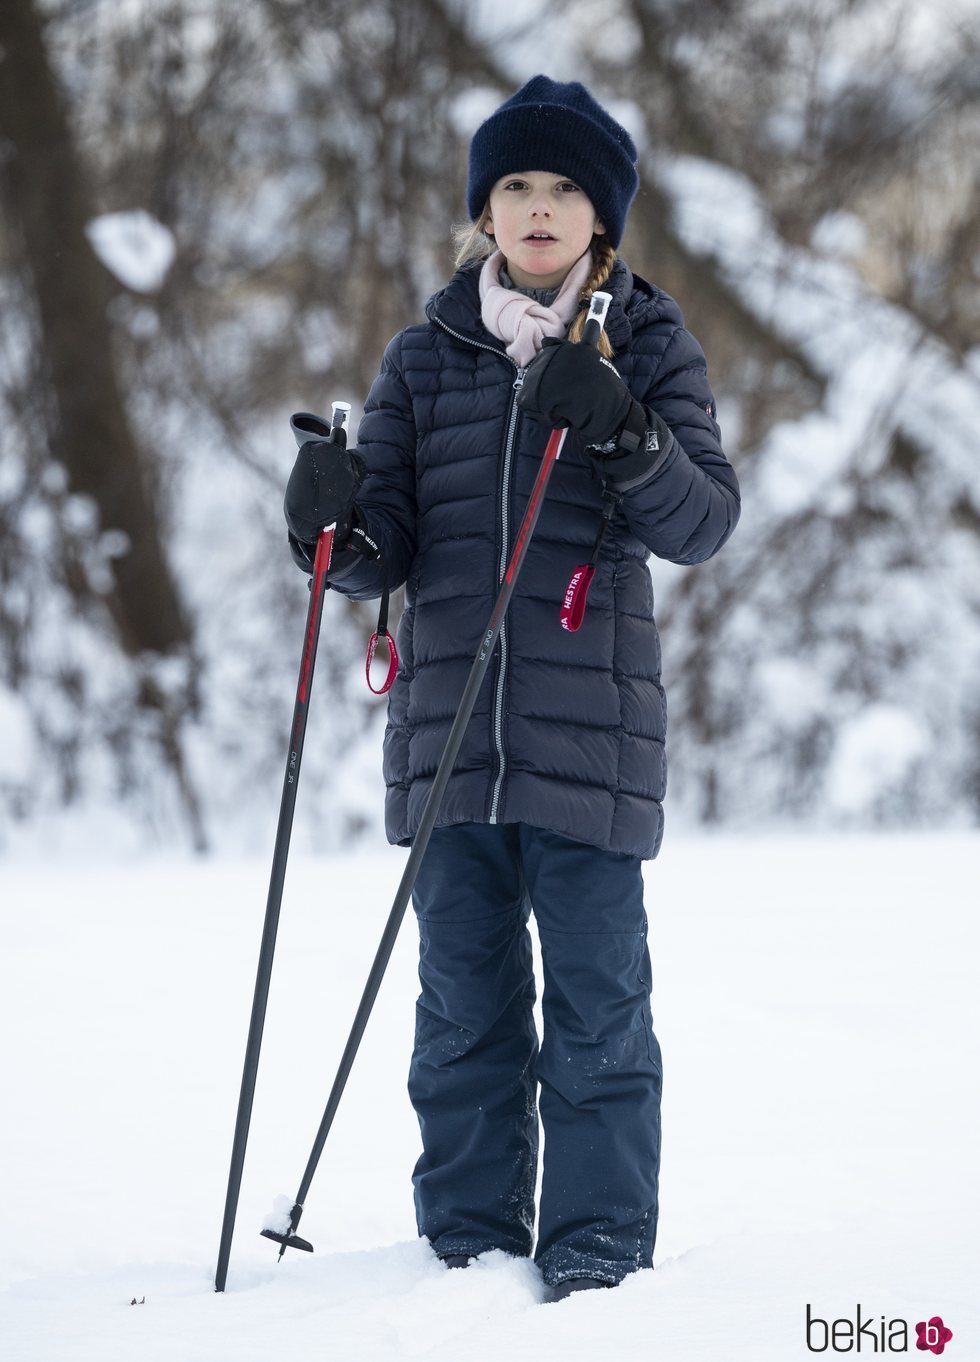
{"x": 634, "y": 303}
{"x": 457, "y": 307}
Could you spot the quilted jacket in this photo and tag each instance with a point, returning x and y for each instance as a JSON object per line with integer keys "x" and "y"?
{"x": 568, "y": 729}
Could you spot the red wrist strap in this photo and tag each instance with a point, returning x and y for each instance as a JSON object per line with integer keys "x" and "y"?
{"x": 382, "y": 633}
{"x": 576, "y": 596}
{"x": 577, "y": 592}
{"x": 392, "y": 661}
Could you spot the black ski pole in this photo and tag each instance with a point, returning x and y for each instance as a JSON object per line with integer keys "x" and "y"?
{"x": 304, "y": 427}
{"x": 288, "y": 1238}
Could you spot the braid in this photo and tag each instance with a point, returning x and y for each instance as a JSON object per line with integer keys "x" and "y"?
{"x": 603, "y": 260}
{"x": 472, "y": 243}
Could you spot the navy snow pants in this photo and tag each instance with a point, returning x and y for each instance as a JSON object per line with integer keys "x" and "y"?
{"x": 478, "y": 1079}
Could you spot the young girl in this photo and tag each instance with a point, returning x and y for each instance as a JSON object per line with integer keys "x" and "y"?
{"x": 555, "y": 799}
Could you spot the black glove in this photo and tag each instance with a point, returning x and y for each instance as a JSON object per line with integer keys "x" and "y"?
{"x": 636, "y": 452}
{"x": 359, "y": 544}
{"x": 321, "y": 489}
{"x": 569, "y": 384}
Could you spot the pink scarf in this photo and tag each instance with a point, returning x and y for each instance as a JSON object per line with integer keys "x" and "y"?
{"x": 518, "y": 320}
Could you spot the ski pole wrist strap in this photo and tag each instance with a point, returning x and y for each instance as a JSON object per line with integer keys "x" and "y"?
{"x": 577, "y": 592}
{"x": 382, "y": 633}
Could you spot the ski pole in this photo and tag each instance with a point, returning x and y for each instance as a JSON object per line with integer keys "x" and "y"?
{"x": 304, "y": 427}
{"x": 288, "y": 1238}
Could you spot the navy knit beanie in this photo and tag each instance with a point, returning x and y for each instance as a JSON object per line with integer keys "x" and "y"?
{"x": 562, "y": 129}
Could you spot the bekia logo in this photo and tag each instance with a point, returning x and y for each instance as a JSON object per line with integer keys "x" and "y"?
{"x": 847, "y": 1335}
{"x": 933, "y": 1335}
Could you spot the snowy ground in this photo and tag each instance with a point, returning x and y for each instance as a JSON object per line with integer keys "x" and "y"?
{"x": 815, "y": 1000}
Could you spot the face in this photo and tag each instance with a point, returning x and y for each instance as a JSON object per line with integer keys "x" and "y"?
{"x": 542, "y": 223}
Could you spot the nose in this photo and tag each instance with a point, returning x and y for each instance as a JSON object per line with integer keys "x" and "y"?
{"x": 539, "y": 206}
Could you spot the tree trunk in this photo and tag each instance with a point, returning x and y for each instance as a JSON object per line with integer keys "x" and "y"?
{"x": 48, "y": 204}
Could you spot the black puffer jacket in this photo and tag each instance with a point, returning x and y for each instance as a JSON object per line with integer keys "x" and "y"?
{"x": 568, "y": 729}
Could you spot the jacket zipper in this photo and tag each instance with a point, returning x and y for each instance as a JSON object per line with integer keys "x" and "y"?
{"x": 498, "y": 704}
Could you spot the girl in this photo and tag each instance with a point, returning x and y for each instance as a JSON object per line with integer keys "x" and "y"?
{"x": 555, "y": 799}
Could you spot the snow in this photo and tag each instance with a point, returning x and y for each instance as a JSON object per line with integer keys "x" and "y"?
{"x": 16, "y": 737}
{"x": 856, "y": 562}
{"x": 794, "y": 693}
{"x": 864, "y": 346}
{"x": 873, "y": 751}
{"x": 279, "y": 1217}
{"x": 137, "y": 248}
{"x": 818, "y": 1018}
{"x": 839, "y": 234}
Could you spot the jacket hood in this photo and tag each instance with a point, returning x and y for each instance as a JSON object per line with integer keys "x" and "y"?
{"x": 635, "y": 304}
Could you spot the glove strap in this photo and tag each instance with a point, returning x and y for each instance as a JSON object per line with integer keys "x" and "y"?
{"x": 577, "y": 592}
{"x": 636, "y": 452}
{"x": 634, "y": 432}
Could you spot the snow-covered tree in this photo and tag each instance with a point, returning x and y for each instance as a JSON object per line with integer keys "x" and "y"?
{"x": 266, "y": 195}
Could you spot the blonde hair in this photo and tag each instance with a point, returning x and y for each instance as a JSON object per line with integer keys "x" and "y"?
{"x": 473, "y": 243}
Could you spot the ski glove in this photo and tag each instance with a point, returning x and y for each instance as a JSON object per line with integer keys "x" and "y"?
{"x": 359, "y": 544}
{"x": 636, "y": 452}
{"x": 568, "y": 384}
{"x": 573, "y": 385}
{"x": 321, "y": 489}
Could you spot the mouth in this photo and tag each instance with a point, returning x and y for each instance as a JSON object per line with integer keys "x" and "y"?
{"x": 539, "y": 239}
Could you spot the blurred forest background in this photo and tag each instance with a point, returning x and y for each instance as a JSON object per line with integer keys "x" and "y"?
{"x": 215, "y": 212}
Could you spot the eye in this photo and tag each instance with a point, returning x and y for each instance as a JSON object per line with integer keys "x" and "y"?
{"x": 567, "y": 187}
{"x": 516, "y": 184}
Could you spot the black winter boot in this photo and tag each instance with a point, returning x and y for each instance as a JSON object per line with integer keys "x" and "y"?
{"x": 565, "y": 1288}
{"x": 458, "y": 1259}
